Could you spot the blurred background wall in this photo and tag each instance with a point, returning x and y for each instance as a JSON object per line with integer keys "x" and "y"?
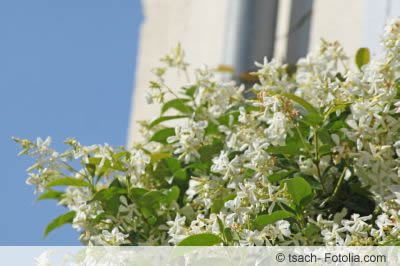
{"x": 239, "y": 32}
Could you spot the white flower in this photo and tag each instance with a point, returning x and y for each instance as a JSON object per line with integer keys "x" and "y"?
{"x": 188, "y": 139}
{"x": 332, "y": 237}
{"x": 277, "y": 130}
{"x": 274, "y": 196}
{"x": 115, "y": 237}
{"x": 283, "y": 229}
{"x": 44, "y": 258}
{"x": 222, "y": 165}
{"x": 177, "y": 230}
{"x": 43, "y": 146}
{"x": 137, "y": 163}
{"x": 251, "y": 238}
{"x": 247, "y": 192}
{"x": 385, "y": 225}
{"x": 396, "y": 145}
{"x": 357, "y": 224}
{"x": 105, "y": 153}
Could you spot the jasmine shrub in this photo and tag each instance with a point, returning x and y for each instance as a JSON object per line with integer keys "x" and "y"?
{"x": 310, "y": 157}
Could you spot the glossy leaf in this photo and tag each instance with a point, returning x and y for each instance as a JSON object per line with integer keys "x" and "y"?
{"x": 65, "y": 218}
{"x": 266, "y": 219}
{"x": 219, "y": 203}
{"x": 177, "y": 104}
{"x": 68, "y": 181}
{"x": 279, "y": 175}
{"x": 299, "y": 190}
{"x": 205, "y": 239}
{"x": 313, "y": 119}
{"x": 109, "y": 198}
{"x": 157, "y": 156}
{"x": 153, "y": 197}
{"x": 362, "y": 57}
{"x": 162, "y": 135}
{"x": 301, "y": 101}
{"x": 173, "y": 194}
{"x": 189, "y": 91}
{"x": 165, "y": 118}
{"x": 209, "y": 151}
{"x": 288, "y": 149}
{"x": 50, "y": 194}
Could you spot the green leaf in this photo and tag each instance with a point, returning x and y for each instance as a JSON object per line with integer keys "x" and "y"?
{"x": 162, "y": 172}
{"x": 59, "y": 221}
{"x": 149, "y": 214}
{"x": 228, "y": 234}
{"x": 189, "y": 91}
{"x": 177, "y": 104}
{"x": 211, "y": 129}
{"x": 226, "y": 118}
{"x": 288, "y": 149}
{"x": 152, "y": 197}
{"x": 299, "y": 190}
{"x": 219, "y": 203}
{"x": 108, "y": 193}
{"x": 200, "y": 166}
{"x": 68, "y": 181}
{"x": 311, "y": 180}
{"x": 301, "y": 101}
{"x": 180, "y": 175}
{"x": 188, "y": 212}
{"x": 325, "y": 149}
{"x": 311, "y": 230}
{"x": 173, "y": 194}
{"x": 325, "y": 137}
{"x": 116, "y": 183}
{"x": 220, "y": 225}
{"x": 209, "y": 151}
{"x": 162, "y": 135}
{"x": 337, "y": 125}
{"x": 266, "y": 219}
{"x": 91, "y": 168}
{"x": 109, "y": 198}
{"x": 362, "y": 57}
{"x": 157, "y": 156}
{"x": 165, "y": 118}
{"x": 397, "y": 85}
{"x": 205, "y": 239}
{"x": 337, "y": 107}
{"x": 313, "y": 119}
{"x": 173, "y": 164}
{"x": 98, "y": 218}
{"x": 50, "y": 194}
{"x": 138, "y": 192}
{"x": 279, "y": 175}
{"x": 94, "y": 163}
{"x": 392, "y": 242}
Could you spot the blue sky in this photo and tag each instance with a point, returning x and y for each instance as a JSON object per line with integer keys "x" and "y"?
{"x": 66, "y": 70}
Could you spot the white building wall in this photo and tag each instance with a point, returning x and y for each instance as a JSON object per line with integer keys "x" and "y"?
{"x": 203, "y": 26}
{"x": 198, "y": 25}
{"x": 340, "y": 20}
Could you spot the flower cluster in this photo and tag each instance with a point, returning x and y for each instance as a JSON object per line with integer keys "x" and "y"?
{"x": 310, "y": 157}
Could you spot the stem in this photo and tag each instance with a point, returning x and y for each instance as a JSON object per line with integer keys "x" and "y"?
{"x": 339, "y": 183}
{"x": 128, "y": 181}
{"x": 301, "y": 137}
{"x": 317, "y": 160}
{"x": 171, "y": 91}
